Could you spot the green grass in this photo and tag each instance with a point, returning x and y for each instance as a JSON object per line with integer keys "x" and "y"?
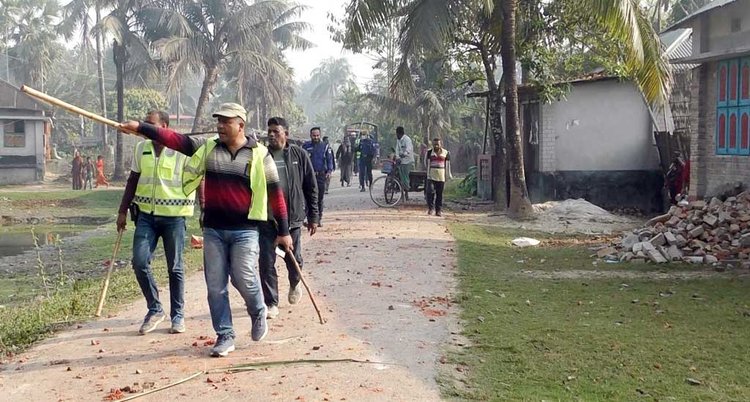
{"x": 583, "y": 339}
{"x": 31, "y": 316}
{"x": 89, "y": 203}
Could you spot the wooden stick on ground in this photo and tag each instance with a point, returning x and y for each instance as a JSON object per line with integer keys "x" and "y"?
{"x": 103, "y": 295}
{"x": 290, "y": 256}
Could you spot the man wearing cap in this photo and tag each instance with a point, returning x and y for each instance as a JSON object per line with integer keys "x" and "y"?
{"x": 301, "y": 191}
{"x": 154, "y": 190}
{"x": 240, "y": 183}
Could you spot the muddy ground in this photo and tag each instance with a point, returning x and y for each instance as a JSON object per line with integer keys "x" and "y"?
{"x": 384, "y": 279}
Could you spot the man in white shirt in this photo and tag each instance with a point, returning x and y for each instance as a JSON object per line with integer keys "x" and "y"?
{"x": 405, "y": 152}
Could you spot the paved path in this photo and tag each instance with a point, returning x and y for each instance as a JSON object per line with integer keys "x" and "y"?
{"x": 382, "y": 277}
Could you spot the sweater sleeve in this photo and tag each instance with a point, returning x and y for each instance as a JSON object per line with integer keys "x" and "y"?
{"x": 170, "y": 138}
{"x": 129, "y": 194}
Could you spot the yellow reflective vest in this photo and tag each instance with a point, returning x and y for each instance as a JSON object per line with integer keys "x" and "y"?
{"x": 195, "y": 169}
{"x": 159, "y": 190}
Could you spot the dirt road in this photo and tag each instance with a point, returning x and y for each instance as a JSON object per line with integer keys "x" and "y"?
{"x": 384, "y": 279}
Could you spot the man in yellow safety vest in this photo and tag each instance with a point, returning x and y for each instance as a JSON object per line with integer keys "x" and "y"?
{"x": 159, "y": 207}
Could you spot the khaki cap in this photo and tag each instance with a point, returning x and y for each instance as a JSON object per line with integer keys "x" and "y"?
{"x": 231, "y": 110}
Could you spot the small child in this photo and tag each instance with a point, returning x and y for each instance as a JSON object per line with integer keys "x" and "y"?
{"x": 88, "y": 169}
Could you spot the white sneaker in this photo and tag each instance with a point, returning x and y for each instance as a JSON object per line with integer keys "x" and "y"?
{"x": 272, "y": 312}
{"x": 294, "y": 294}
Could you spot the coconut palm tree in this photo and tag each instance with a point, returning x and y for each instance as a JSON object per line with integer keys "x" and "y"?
{"x": 331, "y": 77}
{"x": 208, "y": 34}
{"x": 31, "y": 31}
{"x": 428, "y": 25}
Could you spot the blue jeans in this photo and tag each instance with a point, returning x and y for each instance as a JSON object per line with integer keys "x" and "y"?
{"x": 365, "y": 172}
{"x": 148, "y": 230}
{"x": 231, "y": 254}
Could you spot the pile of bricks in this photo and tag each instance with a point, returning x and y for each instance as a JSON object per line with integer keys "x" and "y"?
{"x": 698, "y": 232}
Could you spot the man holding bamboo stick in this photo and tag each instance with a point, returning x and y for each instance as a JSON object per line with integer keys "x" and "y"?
{"x": 240, "y": 182}
{"x": 158, "y": 207}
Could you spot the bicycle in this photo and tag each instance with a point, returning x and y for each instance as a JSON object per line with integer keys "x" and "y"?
{"x": 387, "y": 191}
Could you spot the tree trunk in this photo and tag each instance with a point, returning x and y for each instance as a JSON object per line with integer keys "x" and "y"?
{"x": 100, "y": 76}
{"x": 520, "y": 205}
{"x": 119, "y": 55}
{"x": 209, "y": 81}
{"x": 500, "y": 159}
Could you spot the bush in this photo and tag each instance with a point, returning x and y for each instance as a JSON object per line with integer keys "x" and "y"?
{"x": 469, "y": 184}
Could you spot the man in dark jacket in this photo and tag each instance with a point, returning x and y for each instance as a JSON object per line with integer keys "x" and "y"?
{"x": 301, "y": 191}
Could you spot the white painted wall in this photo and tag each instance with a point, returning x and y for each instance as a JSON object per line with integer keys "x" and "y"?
{"x": 600, "y": 125}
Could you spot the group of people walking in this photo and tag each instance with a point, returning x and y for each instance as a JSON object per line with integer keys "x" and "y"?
{"x": 82, "y": 172}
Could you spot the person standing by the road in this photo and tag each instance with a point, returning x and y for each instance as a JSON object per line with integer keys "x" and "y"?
{"x": 366, "y": 151}
{"x": 333, "y": 160}
{"x": 405, "y": 155}
{"x": 300, "y": 187}
{"x": 76, "y": 171}
{"x": 438, "y": 163}
{"x": 154, "y": 192}
{"x": 240, "y": 182}
{"x": 345, "y": 156}
{"x": 322, "y": 161}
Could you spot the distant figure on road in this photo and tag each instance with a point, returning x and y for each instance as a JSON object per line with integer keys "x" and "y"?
{"x": 345, "y": 157}
{"x": 300, "y": 187}
{"x": 88, "y": 173}
{"x": 154, "y": 190}
{"x": 438, "y": 163}
{"x": 405, "y": 158}
{"x": 76, "y": 171}
{"x": 330, "y": 150}
{"x": 322, "y": 161}
{"x": 101, "y": 179}
{"x": 366, "y": 151}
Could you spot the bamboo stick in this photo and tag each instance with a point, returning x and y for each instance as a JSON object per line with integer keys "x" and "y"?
{"x": 290, "y": 257}
{"x": 105, "y": 286}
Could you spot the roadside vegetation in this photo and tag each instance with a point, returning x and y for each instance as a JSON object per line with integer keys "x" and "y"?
{"x": 589, "y": 337}
{"x": 60, "y": 285}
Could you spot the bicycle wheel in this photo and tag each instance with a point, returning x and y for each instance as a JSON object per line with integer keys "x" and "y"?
{"x": 386, "y": 192}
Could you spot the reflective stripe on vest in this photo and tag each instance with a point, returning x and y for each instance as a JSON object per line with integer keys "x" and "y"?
{"x": 159, "y": 189}
{"x": 195, "y": 169}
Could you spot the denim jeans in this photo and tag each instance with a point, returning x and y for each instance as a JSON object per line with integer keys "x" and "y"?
{"x": 267, "y": 262}
{"x": 365, "y": 172}
{"x": 148, "y": 230}
{"x": 231, "y": 254}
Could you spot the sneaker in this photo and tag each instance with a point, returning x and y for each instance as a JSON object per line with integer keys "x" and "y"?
{"x": 224, "y": 344}
{"x": 438, "y": 213}
{"x": 260, "y": 328}
{"x": 151, "y": 322}
{"x": 272, "y": 312}
{"x": 178, "y": 326}
{"x": 429, "y": 211}
{"x": 361, "y": 189}
{"x": 294, "y": 294}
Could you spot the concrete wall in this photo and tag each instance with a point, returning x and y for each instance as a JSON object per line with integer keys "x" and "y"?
{"x": 717, "y": 25}
{"x": 599, "y": 126}
{"x": 711, "y": 174}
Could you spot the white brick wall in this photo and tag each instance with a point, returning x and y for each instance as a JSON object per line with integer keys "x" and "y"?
{"x": 547, "y": 139}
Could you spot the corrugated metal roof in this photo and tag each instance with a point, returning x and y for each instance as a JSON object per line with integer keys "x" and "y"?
{"x": 708, "y": 7}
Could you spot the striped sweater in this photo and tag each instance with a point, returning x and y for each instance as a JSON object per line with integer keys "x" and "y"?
{"x": 227, "y": 195}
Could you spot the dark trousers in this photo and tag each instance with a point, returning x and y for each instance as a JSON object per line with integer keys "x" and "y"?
{"x": 267, "y": 262}
{"x": 434, "y": 194}
{"x": 365, "y": 172}
{"x": 322, "y": 186}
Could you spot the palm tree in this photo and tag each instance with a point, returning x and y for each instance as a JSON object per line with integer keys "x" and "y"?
{"x": 130, "y": 53}
{"x": 429, "y": 25}
{"x": 207, "y": 34}
{"x": 32, "y": 33}
{"x": 331, "y": 77}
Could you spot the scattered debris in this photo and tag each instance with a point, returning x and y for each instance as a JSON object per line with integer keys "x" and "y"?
{"x": 525, "y": 242}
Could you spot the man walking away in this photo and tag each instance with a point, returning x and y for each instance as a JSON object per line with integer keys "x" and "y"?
{"x": 405, "y": 152}
{"x": 345, "y": 157}
{"x": 322, "y": 161}
{"x": 240, "y": 181}
{"x": 333, "y": 160}
{"x": 438, "y": 164}
{"x": 155, "y": 187}
{"x": 366, "y": 150}
{"x": 300, "y": 187}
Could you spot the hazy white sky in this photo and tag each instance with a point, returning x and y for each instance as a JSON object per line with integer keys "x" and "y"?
{"x": 304, "y": 62}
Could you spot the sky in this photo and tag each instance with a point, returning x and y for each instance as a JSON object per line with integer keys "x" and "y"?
{"x": 304, "y": 62}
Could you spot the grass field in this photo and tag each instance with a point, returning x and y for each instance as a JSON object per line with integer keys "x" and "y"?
{"x": 594, "y": 339}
